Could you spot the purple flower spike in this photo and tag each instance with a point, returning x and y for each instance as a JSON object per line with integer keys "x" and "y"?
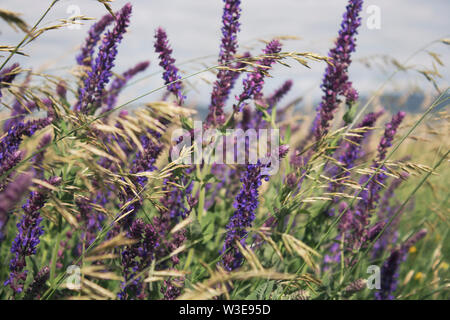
{"x": 254, "y": 81}
{"x": 351, "y": 151}
{"x": 335, "y": 82}
{"x": 27, "y": 239}
{"x": 246, "y": 203}
{"x": 61, "y": 89}
{"x": 390, "y": 268}
{"x": 371, "y": 195}
{"x": 130, "y": 262}
{"x": 230, "y": 28}
{"x": 95, "y": 32}
{"x": 119, "y": 83}
{"x": 94, "y": 84}
{"x": 271, "y": 101}
{"x": 10, "y": 143}
{"x": 8, "y": 164}
{"x": 11, "y": 196}
{"x": 19, "y": 111}
{"x": 7, "y": 76}
{"x": 167, "y": 62}
{"x": 143, "y": 162}
{"x": 38, "y": 284}
{"x": 39, "y": 157}
{"x": 389, "y": 133}
{"x": 228, "y": 49}
{"x": 278, "y": 95}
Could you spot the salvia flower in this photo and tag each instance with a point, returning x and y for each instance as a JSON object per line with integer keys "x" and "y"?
{"x": 245, "y": 204}
{"x": 39, "y": 157}
{"x": 61, "y": 89}
{"x": 350, "y": 151}
{"x": 9, "y": 144}
{"x": 7, "y": 76}
{"x": 21, "y": 109}
{"x": 385, "y": 212}
{"x": 228, "y": 49}
{"x": 389, "y": 134}
{"x": 371, "y": 195}
{"x": 90, "y": 221}
{"x": 130, "y": 262}
{"x": 273, "y": 100}
{"x": 36, "y": 288}
{"x": 28, "y": 236}
{"x": 95, "y": 32}
{"x": 230, "y": 28}
{"x": 92, "y": 91}
{"x": 390, "y": 268}
{"x": 119, "y": 82}
{"x": 11, "y": 196}
{"x": 254, "y": 81}
{"x": 143, "y": 162}
{"x": 8, "y": 164}
{"x": 167, "y": 62}
{"x": 137, "y": 257}
{"x": 359, "y": 217}
{"x": 335, "y": 82}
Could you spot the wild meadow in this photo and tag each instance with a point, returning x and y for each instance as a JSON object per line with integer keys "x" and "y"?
{"x": 253, "y": 199}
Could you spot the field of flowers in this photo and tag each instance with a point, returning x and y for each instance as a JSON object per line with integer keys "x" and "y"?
{"x": 102, "y": 201}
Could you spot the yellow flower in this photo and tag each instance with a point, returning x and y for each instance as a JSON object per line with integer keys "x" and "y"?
{"x": 418, "y": 276}
{"x": 444, "y": 266}
{"x": 413, "y": 249}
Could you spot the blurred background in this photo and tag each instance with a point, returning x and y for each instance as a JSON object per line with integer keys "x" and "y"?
{"x": 194, "y": 26}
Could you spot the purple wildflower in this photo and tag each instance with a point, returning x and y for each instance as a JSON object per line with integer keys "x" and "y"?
{"x": 228, "y": 48}
{"x": 27, "y": 239}
{"x": 272, "y": 100}
{"x": 245, "y": 204}
{"x": 137, "y": 257}
{"x": 167, "y": 62}
{"x": 278, "y": 95}
{"x": 389, "y": 133}
{"x": 10, "y": 143}
{"x": 39, "y": 157}
{"x": 351, "y": 150}
{"x": 61, "y": 89}
{"x": 7, "y": 76}
{"x": 95, "y": 32}
{"x": 90, "y": 221}
{"x": 38, "y": 284}
{"x": 119, "y": 82}
{"x": 144, "y": 162}
{"x": 335, "y": 82}
{"x": 92, "y": 91}
{"x": 8, "y": 164}
{"x": 130, "y": 262}
{"x": 390, "y": 268}
{"x": 254, "y": 81}
{"x": 11, "y": 196}
{"x": 21, "y": 109}
{"x": 357, "y": 220}
{"x": 385, "y": 213}
{"x": 371, "y": 195}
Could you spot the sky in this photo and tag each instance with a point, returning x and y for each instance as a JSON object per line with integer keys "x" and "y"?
{"x": 193, "y": 28}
